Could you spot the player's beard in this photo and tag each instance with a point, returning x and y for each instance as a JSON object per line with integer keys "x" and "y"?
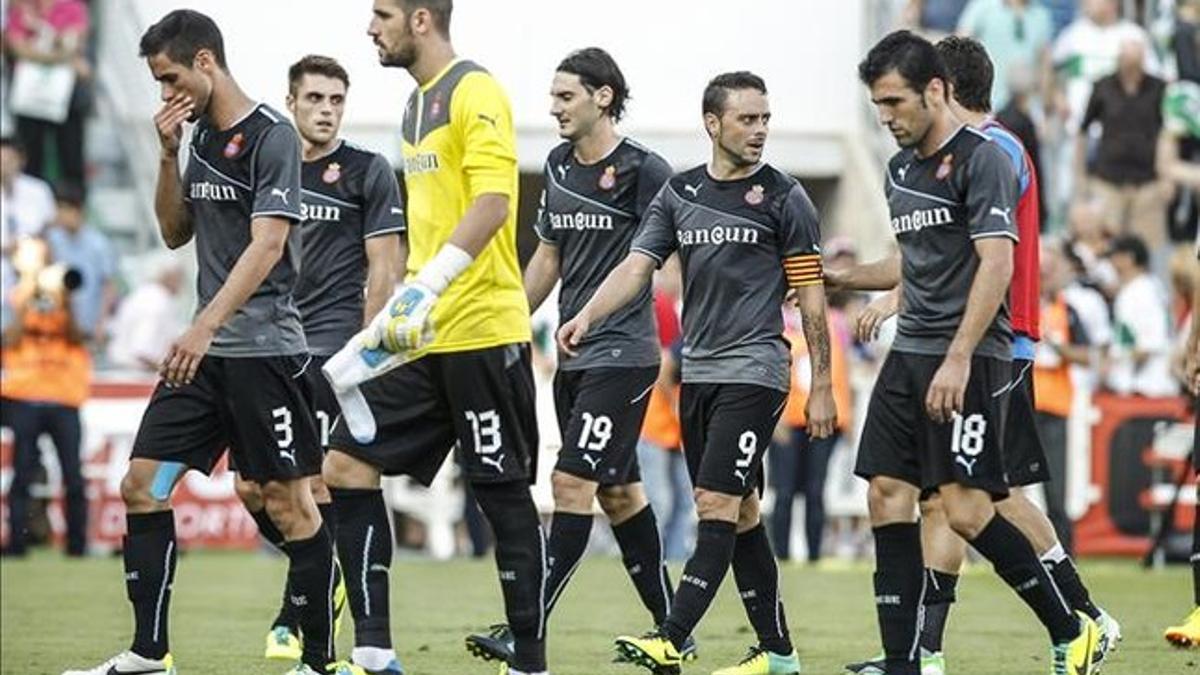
{"x": 404, "y": 55}
{"x": 737, "y": 156}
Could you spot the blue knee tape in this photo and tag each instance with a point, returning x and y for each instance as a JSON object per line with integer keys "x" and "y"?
{"x": 164, "y": 479}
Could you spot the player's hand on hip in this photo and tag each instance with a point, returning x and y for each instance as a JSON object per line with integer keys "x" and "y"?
{"x": 571, "y": 333}
{"x": 948, "y": 389}
{"x": 169, "y": 122}
{"x": 184, "y": 356}
{"x": 821, "y": 413}
{"x": 866, "y": 328}
{"x": 404, "y": 324}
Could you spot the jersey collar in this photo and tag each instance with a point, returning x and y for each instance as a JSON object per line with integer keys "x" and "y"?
{"x": 442, "y": 73}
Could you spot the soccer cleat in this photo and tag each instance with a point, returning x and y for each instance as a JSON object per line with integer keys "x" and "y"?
{"x": 392, "y": 668}
{"x": 132, "y": 664}
{"x": 283, "y": 645}
{"x": 932, "y": 663}
{"x": 1076, "y": 657}
{"x": 495, "y": 645}
{"x": 689, "y": 652}
{"x": 652, "y": 651}
{"x": 1110, "y": 635}
{"x": 1186, "y": 634}
{"x": 759, "y": 661}
{"x": 339, "y": 668}
{"x": 339, "y": 603}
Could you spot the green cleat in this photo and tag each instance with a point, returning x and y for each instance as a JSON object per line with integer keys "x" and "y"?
{"x": 652, "y": 651}
{"x": 759, "y": 661}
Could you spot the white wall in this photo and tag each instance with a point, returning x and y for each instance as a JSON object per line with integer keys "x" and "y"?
{"x": 805, "y": 49}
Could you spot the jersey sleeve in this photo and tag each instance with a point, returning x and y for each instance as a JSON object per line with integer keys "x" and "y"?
{"x": 275, "y": 172}
{"x": 482, "y": 115}
{"x": 652, "y": 175}
{"x": 991, "y": 197}
{"x": 1015, "y": 152}
{"x": 541, "y": 226}
{"x": 383, "y": 208}
{"x": 800, "y": 239}
{"x": 656, "y": 234}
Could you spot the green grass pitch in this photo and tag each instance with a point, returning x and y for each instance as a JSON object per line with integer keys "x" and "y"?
{"x": 57, "y": 613}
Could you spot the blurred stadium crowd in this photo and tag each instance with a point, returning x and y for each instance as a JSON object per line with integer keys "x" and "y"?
{"x": 1104, "y": 93}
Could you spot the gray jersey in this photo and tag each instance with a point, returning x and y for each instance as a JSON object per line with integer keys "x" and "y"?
{"x": 350, "y": 195}
{"x": 940, "y": 205}
{"x": 591, "y": 213}
{"x": 233, "y": 176}
{"x": 732, "y": 238}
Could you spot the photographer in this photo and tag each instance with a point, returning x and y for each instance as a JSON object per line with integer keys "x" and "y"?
{"x": 46, "y": 377}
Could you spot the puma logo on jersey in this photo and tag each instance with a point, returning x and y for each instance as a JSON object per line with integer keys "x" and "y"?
{"x": 497, "y": 462}
{"x": 694, "y": 189}
{"x": 282, "y": 194}
{"x": 562, "y": 173}
{"x": 591, "y": 462}
{"x": 486, "y": 118}
{"x": 903, "y": 172}
{"x": 741, "y": 474}
{"x": 1003, "y": 213}
{"x": 289, "y": 455}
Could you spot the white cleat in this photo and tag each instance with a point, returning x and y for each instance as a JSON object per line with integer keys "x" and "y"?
{"x": 1110, "y": 635}
{"x": 128, "y": 663}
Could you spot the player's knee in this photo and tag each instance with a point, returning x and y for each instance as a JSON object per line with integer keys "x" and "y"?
{"x": 967, "y": 517}
{"x": 889, "y": 501}
{"x": 749, "y": 514}
{"x": 572, "y": 493}
{"x": 340, "y": 470}
{"x": 147, "y": 486}
{"x": 712, "y": 505}
{"x": 281, "y": 504}
{"x": 320, "y": 491}
{"x": 135, "y": 492}
{"x": 622, "y": 502}
{"x": 250, "y": 493}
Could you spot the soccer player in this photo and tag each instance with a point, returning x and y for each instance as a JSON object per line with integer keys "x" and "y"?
{"x": 969, "y": 70}
{"x": 1187, "y": 634}
{"x": 935, "y": 421}
{"x": 231, "y": 380}
{"x": 350, "y": 238}
{"x": 472, "y": 383}
{"x": 747, "y": 236}
{"x": 598, "y": 185}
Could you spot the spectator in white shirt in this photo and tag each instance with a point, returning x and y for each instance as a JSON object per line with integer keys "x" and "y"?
{"x": 148, "y": 320}
{"x": 1140, "y": 354}
{"x": 28, "y": 206}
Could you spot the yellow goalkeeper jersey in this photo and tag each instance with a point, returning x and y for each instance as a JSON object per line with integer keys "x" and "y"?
{"x": 459, "y": 143}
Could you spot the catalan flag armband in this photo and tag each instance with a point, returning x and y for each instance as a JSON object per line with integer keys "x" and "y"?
{"x": 803, "y": 270}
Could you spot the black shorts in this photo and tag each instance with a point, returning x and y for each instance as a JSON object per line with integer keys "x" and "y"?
{"x": 899, "y": 440}
{"x": 726, "y": 431}
{"x": 600, "y": 413}
{"x": 406, "y": 420}
{"x": 1024, "y": 456}
{"x": 258, "y": 407}
{"x": 324, "y": 403}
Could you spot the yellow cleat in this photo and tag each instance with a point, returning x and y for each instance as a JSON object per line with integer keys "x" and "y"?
{"x": 1077, "y": 656}
{"x": 759, "y": 661}
{"x": 339, "y": 604}
{"x": 1186, "y": 634}
{"x": 652, "y": 651}
{"x": 283, "y": 645}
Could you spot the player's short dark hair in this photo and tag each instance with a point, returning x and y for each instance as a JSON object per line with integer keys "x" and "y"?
{"x": 440, "y": 10}
{"x": 970, "y": 71}
{"x": 596, "y": 68}
{"x": 717, "y": 91}
{"x": 315, "y": 64}
{"x": 1132, "y": 245}
{"x": 180, "y": 35}
{"x": 914, "y": 57}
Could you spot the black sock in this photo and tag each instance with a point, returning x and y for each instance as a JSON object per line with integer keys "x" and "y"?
{"x": 364, "y": 547}
{"x": 940, "y": 594}
{"x": 641, "y": 552}
{"x": 521, "y": 561}
{"x": 150, "y": 554}
{"x": 757, "y": 578}
{"x": 329, "y": 517}
{"x": 702, "y": 576}
{"x": 1062, "y": 569}
{"x": 312, "y": 578}
{"x": 569, "y": 534}
{"x": 267, "y": 529}
{"x": 1015, "y": 561}
{"x": 1196, "y": 557}
{"x": 899, "y": 591}
{"x": 286, "y": 616}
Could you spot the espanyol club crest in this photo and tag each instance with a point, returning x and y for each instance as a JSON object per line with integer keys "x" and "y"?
{"x": 234, "y": 146}
{"x": 608, "y": 180}
{"x": 332, "y": 173}
{"x": 754, "y": 196}
{"x": 436, "y": 106}
{"x": 946, "y": 167}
